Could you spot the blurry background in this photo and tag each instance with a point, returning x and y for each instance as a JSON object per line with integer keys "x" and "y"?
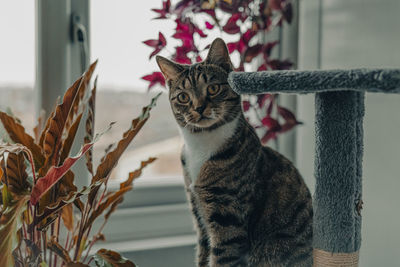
{"x": 154, "y": 227}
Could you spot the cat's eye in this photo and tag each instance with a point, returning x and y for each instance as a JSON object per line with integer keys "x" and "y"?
{"x": 183, "y": 98}
{"x": 213, "y": 89}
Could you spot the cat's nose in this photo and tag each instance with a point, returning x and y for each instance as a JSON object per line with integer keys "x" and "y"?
{"x": 200, "y": 109}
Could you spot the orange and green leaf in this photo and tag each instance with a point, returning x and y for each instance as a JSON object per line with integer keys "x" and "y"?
{"x": 82, "y": 92}
{"x": 47, "y": 125}
{"x": 17, "y": 133}
{"x": 67, "y": 216}
{"x": 17, "y": 149}
{"x": 67, "y": 144}
{"x": 106, "y": 258}
{"x": 10, "y": 223}
{"x": 136, "y": 173}
{"x": 52, "y": 139}
{"x": 64, "y": 117}
{"x": 90, "y": 126}
{"x": 15, "y": 176}
{"x": 72, "y": 197}
{"x": 54, "y": 175}
{"x": 54, "y": 246}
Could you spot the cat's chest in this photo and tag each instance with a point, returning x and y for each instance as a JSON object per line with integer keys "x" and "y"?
{"x": 199, "y": 147}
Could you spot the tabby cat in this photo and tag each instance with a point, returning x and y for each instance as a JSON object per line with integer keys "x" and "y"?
{"x": 251, "y": 207}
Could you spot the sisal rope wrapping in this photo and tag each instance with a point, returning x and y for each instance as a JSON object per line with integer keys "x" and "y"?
{"x": 329, "y": 259}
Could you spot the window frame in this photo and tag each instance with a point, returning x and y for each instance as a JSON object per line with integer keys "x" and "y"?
{"x": 58, "y": 65}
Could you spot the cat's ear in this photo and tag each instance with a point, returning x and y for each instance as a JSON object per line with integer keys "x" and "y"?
{"x": 169, "y": 69}
{"x": 219, "y": 55}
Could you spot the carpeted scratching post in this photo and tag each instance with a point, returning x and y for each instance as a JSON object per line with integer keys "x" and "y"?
{"x": 339, "y": 103}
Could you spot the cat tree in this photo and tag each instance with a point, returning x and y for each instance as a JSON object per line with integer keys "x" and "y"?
{"x": 339, "y": 104}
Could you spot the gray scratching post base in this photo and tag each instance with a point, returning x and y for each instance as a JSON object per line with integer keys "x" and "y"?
{"x": 339, "y": 104}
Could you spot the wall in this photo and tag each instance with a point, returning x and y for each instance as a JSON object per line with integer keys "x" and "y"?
{"x": 360, "y": 33}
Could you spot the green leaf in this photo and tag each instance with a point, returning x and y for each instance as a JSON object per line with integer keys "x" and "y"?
{"x": 6, "y": 196}
{"x": 110, "y": 258}
{"x": 10, "y": 223}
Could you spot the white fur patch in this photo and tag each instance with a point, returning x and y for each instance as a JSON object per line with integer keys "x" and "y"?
{"x": 199, "y": 147}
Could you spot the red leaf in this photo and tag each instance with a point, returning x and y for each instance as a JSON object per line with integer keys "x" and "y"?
{"x": 154, "y": 78}
{"x": 209, "y": 25}
{"x": 267, "y": 48}
{"x": 286, "y": 114}
{"x": 199, "y": 59}
{"x": 276, "y": 64}
{"x": 270, "y": 106}
{"x": 161, "y": 38}
{"x": 181, "y": 55}
{"x": 287, "y": 12}
{"x": 252, "y": 52}
{"x": 200, "y": 32}
{"x": 186, "y": 37}
{"x": 271, "y": 123}
{"x": 155, "y": 52}
{"x": 181, "y": 26}
{"x": 54, "y": 174}
{"x": 248, "y": 35}
{"x": 262, "y": 98}
{"x": 243, "y": 42}
{"x": 262, "y": 67}
{"x": 164, "y": 10}
{"x": 241, "y": 67}
{"x": 231, "y": 26}
{"x": 151, "y": 43}
{"x": 231, "y": 47}
{"x": 246, "y": 105}
{"x": 157, "y": 44}
{"x": 185, "y": 30}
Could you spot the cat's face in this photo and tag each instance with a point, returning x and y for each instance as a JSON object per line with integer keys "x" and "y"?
{"x": 200, "y": 96}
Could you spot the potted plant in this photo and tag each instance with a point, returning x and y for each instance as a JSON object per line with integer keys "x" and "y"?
{"x": 45, "y": 220}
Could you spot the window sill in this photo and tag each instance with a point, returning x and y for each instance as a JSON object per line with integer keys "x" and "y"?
{"x": 131, "y": 224}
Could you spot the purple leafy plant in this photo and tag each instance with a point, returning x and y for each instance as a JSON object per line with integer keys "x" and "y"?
{"x": 244, "y": 21}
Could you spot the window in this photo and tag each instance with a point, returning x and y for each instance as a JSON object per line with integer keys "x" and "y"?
{"x": 17, "y": 54}
{"x": 117, "y": 32}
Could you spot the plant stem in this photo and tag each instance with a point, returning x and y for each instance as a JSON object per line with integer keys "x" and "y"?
{"x": 102, "y": 195}
{"x": 66, "y": 241}
{"x": 80, "y": 233}
{"x": 90, "y": 260}
{"x": 44, "y": 246}
{"x": 94, "y": 238}
{"x": 57, "y": 234}
{"x": 24, "y": 229}
{"x": 51, "y": 252}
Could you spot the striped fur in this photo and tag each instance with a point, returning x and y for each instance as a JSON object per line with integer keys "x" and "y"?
{"x": 250, "y": 205}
